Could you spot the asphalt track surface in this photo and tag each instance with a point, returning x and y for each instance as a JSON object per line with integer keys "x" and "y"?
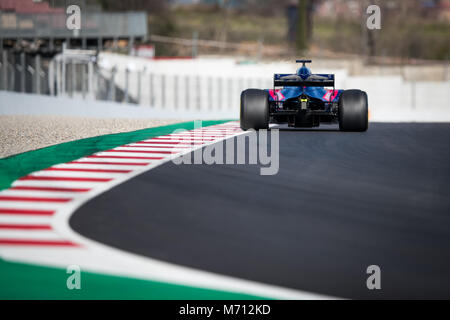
{"x": 340, "y": 202}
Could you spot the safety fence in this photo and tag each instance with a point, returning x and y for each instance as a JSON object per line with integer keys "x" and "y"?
{"x": 77, "y": 74}
{"x": 178, "y": 91}
{"x": 22, "y": 72}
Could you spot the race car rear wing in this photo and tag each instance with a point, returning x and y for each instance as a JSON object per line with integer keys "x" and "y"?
{"x": 293, "y": 80}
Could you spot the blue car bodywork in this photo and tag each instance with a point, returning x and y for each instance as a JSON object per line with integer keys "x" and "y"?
{"x": 303, "y": 98}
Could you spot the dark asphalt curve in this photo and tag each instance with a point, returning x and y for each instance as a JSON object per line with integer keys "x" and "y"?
{"x": 340, "y": 202}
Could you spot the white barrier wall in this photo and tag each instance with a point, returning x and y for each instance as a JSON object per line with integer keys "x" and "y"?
{"x": 214, "y": 85}
{"x": 392, "y": 99}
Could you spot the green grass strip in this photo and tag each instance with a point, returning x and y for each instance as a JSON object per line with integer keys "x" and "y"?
{"x": 17, "y": 166}
{"x": 20, "y": 281}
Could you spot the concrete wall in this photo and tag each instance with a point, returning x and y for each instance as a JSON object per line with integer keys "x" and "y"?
{"x": 13, "y": 103}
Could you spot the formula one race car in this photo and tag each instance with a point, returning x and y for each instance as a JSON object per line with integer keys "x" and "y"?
{"x": 303, "y": 101}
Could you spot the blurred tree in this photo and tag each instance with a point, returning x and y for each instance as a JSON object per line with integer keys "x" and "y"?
{"x": 303, "y": 25}
{"x": 266, "y": 8}
{"x": 292, "y": 20}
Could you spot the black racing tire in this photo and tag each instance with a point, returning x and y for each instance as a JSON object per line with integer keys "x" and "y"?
{"x": 353, "y": 111}
{"x": 254, "y": 109}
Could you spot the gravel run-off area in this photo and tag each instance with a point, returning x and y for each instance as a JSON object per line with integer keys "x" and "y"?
{"x": 21, "y": 133}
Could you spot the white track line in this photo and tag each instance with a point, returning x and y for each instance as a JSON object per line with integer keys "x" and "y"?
{"x": 56, "y": 184}
{"x": 31, "y": 205}
{"x": 75, "y": 174}
{"x": 133, "y": 154}
{"x": 30, "y": 235}
{"x": 173, "y": 149}
{"x": 112, "y": 160}
{"x": 95, "y": 166}
{"x": 26, "y": 220}
{"x": 38, "y": 193}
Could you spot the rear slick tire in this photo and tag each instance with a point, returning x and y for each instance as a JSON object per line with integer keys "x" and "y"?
{"x": 353, "y": 111}
{"x": 254, "y": 109}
